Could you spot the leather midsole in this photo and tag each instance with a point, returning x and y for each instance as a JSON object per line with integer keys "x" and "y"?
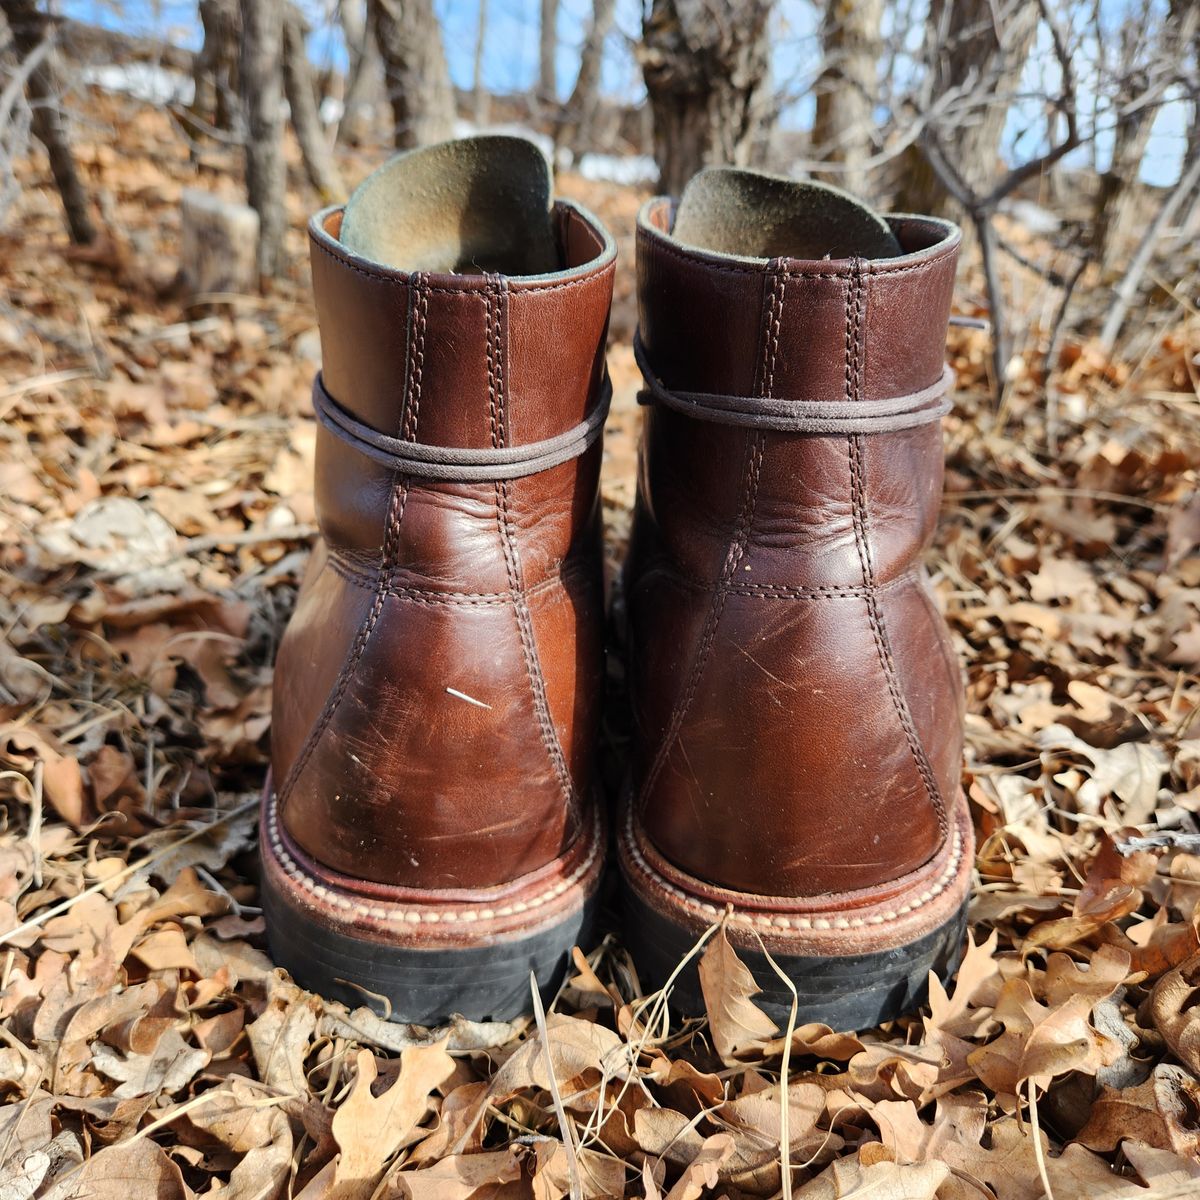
{"x": 433, "y": 919}
{"x": 836, "y": 923}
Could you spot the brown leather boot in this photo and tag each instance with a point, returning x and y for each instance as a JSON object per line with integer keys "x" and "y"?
{"x": 797, "y": 703}
{"x": 429, "y": 833}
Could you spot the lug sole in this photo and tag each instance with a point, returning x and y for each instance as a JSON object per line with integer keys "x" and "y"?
{"x": 855, "y": 962}
{"x": 424, "y": 958}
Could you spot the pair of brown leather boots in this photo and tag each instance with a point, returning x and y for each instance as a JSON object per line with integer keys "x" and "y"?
{"x": 434, "y": 829}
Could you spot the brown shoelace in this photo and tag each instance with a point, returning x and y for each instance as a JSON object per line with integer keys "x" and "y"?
{"x": 800, "y": 416}
{"x": 453, "y": 464}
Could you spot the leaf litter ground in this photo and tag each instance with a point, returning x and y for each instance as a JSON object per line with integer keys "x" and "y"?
{"x": 155, "y": 495}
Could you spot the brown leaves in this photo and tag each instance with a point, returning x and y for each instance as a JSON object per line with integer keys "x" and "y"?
{"x": 1041, "y": 1041}
{"x": 152, "y": 529}
{"x": 1175, "y": 1009}
{"x": 736, "y": 1023}
{"x": 854, "y": 1179}
{"x": 137, "y": 1170}
{"x": 1160, "y": 1113}
{"x": 370, "y": 1129}
{"x": 1112, "y": 890}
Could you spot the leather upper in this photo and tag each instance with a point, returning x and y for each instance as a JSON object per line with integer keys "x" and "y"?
{"x": 797, "y": 703}
{"x": 437, "y": 691}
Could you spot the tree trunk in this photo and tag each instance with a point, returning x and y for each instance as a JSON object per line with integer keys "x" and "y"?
{"x": 262, "y": 88}
{"x": 479, "y": 95}
{"x": 579, "y": 134}
{"x": 1116, "y": 197}
{"x": 978, "y": 48}
{"x": 322, "y": 171}
{"x": 414, "y": 63}
{"x": 547, "y": 91}
{"x": 1115, "y": 216}
{"x": 29, "y": 28}
{"x": 706, "y": 67}
{"x": 1126, "y": 291}
{"x": 215, "y": 68}
{"x": 364, "y": 79}
{"x": 843, "y": 131}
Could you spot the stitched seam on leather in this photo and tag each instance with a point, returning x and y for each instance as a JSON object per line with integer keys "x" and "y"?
{"x": 350, "y": 666}
{"x": 664, "y": 247}
{"x": 389, "y": 910}
{"x": 491, "y": 339}
{"x": 495, "y": 301}
{"x": 448, "y": 290}
{"x": 776, "y": 591}
{"x": 854, "y": 355}
{"x": 567, "y": 573}
{"x": 419, "y": 322}
{"x": 749, "y": 490}
{"x": 769, "y": 591}
{"x": 750, "y": 475}
{"x": 634, "y": 857}
{"x": 771, "y": 341}
{"x": 395, "y": 516}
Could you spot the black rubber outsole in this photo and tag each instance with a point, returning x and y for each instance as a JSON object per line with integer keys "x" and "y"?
{"x": 416, "y": 986}
{"x": 850, "y": 992}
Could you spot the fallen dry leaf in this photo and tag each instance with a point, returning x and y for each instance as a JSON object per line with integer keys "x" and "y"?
{"x": 883, "y": 1180}
{"x": 370, "y": 1129}
{"x": 735, "y": 1022}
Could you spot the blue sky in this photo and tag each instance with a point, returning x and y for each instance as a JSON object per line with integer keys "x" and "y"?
{"x": 510, "y": 59}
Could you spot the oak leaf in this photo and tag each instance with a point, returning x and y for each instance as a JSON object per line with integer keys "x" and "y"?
{"x": 1175, "y": 1013}
{"x": 1159, "y": 1113}
{"x": 458, "y": 1177}
{"x": 370, "y": 1129}
{"x": 1039, "y": 1042}
{"x": 852, "y": 1179}
{"x": 136, "y": 1170}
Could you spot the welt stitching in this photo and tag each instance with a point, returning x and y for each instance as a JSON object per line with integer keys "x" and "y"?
{"x": 887, "y": 663}
{"x": 749, "y": 486}
{"x": 533, "y": 666}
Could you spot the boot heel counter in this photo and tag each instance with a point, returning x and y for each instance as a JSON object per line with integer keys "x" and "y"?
{"x": 427, "y": 742}
{"x": 795, "y": 744}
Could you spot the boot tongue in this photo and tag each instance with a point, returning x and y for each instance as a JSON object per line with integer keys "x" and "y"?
{"x": 469, "y": 206}
{"x": 754, "y": 215}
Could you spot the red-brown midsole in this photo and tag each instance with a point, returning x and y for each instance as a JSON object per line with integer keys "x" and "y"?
{"x": 833, "y": 924}
{"x": 435, "y": 919}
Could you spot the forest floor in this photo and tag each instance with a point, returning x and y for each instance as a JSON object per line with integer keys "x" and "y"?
{"x": 155, "y": 513}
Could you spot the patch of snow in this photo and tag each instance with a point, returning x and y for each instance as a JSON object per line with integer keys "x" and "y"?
{"x": 1033, "y": 216}
{"x": 618, "y": 168}
{"x": 143, "y": 81}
